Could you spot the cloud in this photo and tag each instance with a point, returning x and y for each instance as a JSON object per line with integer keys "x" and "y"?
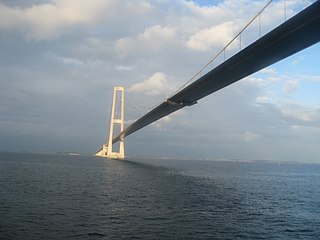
{"x": 290, "y": 86}
{"x": 50, "y": 20}
{"x": 263, "y": 99}
{"x": 269, "y": 71}
{"x": 312, "y": 78}
{"x": 159, "y": 124}
{"x": 157, "y": 36}
{"x": 297, "y": 112}
{"x": 256, "y": 81}
{"x": 153, "y": 38}
{"x": 251, "y": 136}
{"x": 215, "y": 36}
{"x": 123, "y": 46}
{"x": 69, "y": 61}
{"x": 139, "y": 8}
{"x": 157, "y": 84}
{"x": 162, "y": 123}
{"x": 123, "y": 68}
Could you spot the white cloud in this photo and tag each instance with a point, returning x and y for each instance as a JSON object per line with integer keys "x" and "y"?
{"x": 255, "y": 81}
{"x": 152, "y": 38}
{"x": 123, "y": 68}
{"x": 251, "y": 136}
{"x": 263, "y": 99}
{"x": 155, "y": 85}
{"x": 161, "y": 123}
{"x": 290, "y": 86}
{"x": 300, "y": 113}
{"x": 139, "y": 7}
{"x": 93, "y": 48}
{"x": 50, "y": 20}
{"x": 204, "y": 11}
{"x": 123, "y": 46}
{"x": 268, "y": 70}
{"x": 70, "y": 61}
{"x": 215, "y": 36}
{"x": 312, "y": 78}
{"x": 157, "y": 36}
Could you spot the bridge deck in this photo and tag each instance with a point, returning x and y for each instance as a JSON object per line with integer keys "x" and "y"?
{"x": 294, "y": 35}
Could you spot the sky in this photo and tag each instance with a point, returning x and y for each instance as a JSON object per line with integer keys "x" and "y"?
{"x": 60, "y": 59}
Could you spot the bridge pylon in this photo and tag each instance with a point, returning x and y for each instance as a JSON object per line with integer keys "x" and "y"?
{"x": 116, "y": 123}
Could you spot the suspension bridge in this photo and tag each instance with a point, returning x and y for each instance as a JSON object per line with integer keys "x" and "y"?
{"x": 293, "y": 35}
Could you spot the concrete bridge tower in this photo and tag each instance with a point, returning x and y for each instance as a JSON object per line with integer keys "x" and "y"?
{"x": 116, "y": 123}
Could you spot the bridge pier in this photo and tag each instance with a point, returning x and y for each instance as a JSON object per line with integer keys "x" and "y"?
{"x": 117, "y": 119}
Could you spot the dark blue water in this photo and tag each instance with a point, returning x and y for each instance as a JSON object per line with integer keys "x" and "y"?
{"x": 81, "y": 197}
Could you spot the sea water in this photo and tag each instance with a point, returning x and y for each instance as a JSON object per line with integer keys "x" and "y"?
{"x": 46, "y": 196}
